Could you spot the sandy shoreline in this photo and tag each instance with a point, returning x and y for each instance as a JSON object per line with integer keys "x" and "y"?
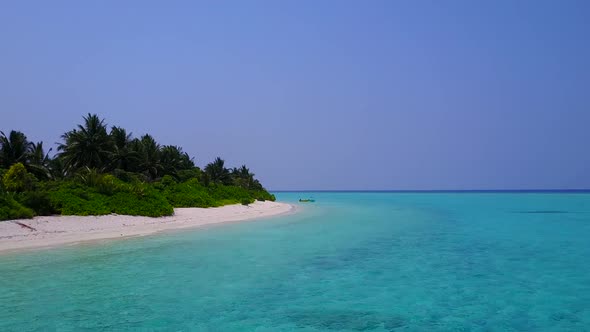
{"x": 60, "y": 230}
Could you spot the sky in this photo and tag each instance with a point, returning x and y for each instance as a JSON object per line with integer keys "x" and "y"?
{"x": 332, "y": 95}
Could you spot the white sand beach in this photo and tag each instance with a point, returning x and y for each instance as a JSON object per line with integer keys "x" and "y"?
{"x": 60, "y": 230}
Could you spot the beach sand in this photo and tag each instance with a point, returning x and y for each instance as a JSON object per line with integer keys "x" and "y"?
{"x": 60, "y": 230}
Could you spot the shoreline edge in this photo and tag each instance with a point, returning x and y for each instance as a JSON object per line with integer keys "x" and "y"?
{"x": 53, "y": 231}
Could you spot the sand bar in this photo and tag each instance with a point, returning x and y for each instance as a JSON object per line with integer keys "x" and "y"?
{"x": 59, "y": 230}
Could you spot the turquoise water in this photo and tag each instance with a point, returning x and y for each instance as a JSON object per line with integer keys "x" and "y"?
{"x": 349, "y": 262}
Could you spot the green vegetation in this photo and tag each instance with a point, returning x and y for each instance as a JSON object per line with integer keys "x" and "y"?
{"x": 11, "y": 209}
{"x": 97, "y": 171}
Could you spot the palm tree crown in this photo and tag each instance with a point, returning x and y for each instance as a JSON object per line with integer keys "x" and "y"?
{"x": 123, "y": 156}
{"x": 217, "y": 172}
{"x": 39, "y": 161}
{"x": 148, "y": 152}
{"x": 14, "y": 148}
{"x": 87, "y": 146}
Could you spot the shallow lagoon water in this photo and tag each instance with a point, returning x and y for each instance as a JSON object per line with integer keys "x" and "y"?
{"x": 349, "y": 262}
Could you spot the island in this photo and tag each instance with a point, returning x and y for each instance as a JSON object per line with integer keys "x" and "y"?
{"x": 102, "y": 171}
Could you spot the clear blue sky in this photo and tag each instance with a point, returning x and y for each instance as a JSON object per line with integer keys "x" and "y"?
{"x": 318, "y": 94}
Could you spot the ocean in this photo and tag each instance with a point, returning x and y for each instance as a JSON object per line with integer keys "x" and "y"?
{"x": 354, "y": 261}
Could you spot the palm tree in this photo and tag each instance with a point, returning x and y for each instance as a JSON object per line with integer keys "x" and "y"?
{"x": 89, "y": 145}
{"x": 173, "y": 160}
{"x": 217, "y": 173}
{"x": 123, "y": 156}
{"x": 148, "y": 153}
{"x": 56, "y": 167}
{"x": 14, "y": 148}
{"x": 256, "y": 185}
{"x": 242, "y": 177}
{"x": 186, "y": 162}
{"x": 39, "y": 161}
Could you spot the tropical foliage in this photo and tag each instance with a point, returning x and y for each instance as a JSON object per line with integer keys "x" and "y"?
{"x": 89, "y": 145}
{"x": 100, "y": 171}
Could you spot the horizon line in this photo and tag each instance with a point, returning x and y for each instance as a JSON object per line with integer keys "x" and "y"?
{"x": 432, "y": 190}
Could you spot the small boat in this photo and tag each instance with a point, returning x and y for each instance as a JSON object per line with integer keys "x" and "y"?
{"x": 309, "y": 200}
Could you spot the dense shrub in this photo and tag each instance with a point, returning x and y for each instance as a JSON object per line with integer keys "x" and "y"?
{"x": 11, "y": 209}
{"x": 72, "y": 199}
{"x": 193, "y": 194}
{"x": 167, "y": 181}
{"x": 38, "y": 201}
{"x": 109, "y": 184}
{"x": 129, "y": 177}
{"x": 228, "y": 194}
{"x": 17, "y": 179}
{"x": 76, "y": 199}
{"x": 188, "y": 174}
{"x": 89, "y": 177}
{"x": 263, "y": 195}
{"x": 93, "y": 193}
{"x": 2, "y": 172}
{"x": 189, "y": 194}
{"x": 153, "y": 204}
